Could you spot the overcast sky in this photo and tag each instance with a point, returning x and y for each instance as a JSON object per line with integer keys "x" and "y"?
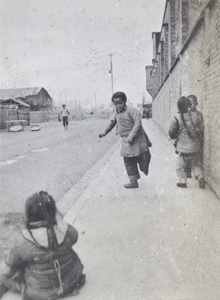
{"x": 64, "y": 46}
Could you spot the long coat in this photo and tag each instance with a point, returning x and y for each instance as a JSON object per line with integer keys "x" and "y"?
{"x": 47, "y": 272}
{"x": 129, "y": 125}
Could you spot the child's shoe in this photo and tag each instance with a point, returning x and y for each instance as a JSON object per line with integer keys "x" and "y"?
{"x": 131, "y": 185}
{"x": 182, "y": 185}
{"x": 201, "y": 183}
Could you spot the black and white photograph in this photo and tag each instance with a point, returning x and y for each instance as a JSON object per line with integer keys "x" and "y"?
{"x": 110, "y": 149}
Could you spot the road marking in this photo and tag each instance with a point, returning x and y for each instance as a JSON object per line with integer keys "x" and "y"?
{"x": 8, "y": 162}
{"x": 11, "y": 161}
{"x": 40, "y": 150}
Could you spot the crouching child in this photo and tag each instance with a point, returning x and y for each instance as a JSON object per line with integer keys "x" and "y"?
{"x": 42, "y": 264}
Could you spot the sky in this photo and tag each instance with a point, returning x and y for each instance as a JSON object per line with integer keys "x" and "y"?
{"x": 65, "y": 46}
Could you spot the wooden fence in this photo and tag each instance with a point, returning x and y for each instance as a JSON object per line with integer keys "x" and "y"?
{"x": 31, "y": 117}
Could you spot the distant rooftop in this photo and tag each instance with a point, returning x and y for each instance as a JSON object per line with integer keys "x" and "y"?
{"x": 6, "y": 94}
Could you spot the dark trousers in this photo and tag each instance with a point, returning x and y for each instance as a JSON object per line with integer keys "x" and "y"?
{"x": 65, "y": 121}
{"x": 131, "y": 165}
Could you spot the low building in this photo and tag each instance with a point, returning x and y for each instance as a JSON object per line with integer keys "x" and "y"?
{"x": 14, "y": 103}
{"x": 37, "y": 98}
{"x": 31, "y": 104}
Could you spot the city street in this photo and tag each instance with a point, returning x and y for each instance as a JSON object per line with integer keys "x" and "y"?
{"x": 147, "y": 237}
{"x": 158, "y": 242}
{"x": 52, "y": 159}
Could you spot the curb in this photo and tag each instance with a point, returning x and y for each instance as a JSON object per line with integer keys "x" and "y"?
{"x": 70, "y": 201}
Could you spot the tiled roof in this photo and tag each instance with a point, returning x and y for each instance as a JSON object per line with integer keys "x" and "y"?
{"x": 6, "y": 94}
{"x": 15, "y": 100}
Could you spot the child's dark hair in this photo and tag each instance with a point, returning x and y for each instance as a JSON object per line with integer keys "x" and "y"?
{"x": 183, "y": 104}
{"x": 120, "y": 95}
{"x": 40, "y": 207}
{"x": 194, "y": 98}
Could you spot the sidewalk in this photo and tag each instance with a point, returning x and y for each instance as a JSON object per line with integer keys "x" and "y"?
{"x": 155, "y": 242}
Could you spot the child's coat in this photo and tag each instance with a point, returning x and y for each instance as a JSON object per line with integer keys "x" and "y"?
{"x": 129, "y": 126}
{"x": 48, "y": 274}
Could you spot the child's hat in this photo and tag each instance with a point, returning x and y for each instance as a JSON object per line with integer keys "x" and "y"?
{"x": 183, "y": 104}
{"x": 40, "y": 207}
{"x": 193, "y": 98}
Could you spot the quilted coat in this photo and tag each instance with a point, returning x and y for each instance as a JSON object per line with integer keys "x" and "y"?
{"x": 189, "y": 137}
{"x": 129, "y": 125}
{"x": 47, "y": 274}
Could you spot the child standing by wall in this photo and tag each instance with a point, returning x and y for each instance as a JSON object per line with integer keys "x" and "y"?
{"x": 42, "y": 265}
{"x": 64, "y": 114}
{"x": 134, "y": 148}
{"x": 188, "y": 129}
{"x": 193, "y": 104}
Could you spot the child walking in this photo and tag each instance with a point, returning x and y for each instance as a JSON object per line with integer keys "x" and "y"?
{"x": 64, "y": 114}
{"x": 42, "y": 265}
{"x": 135, "y": 143}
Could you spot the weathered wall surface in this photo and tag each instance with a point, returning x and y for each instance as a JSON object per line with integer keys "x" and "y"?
{"x": 198, "y": 72}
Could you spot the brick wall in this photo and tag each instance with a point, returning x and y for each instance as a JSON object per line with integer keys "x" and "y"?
{"x": 197, "y": 72}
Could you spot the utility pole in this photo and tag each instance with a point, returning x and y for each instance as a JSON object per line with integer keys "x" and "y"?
{"x": 111, "y": 71}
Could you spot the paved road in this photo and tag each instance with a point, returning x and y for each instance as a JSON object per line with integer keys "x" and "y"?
{"x": 52, "y": 159}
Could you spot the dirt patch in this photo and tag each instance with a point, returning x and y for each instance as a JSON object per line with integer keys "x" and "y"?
{"x": 11, "y": 226}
